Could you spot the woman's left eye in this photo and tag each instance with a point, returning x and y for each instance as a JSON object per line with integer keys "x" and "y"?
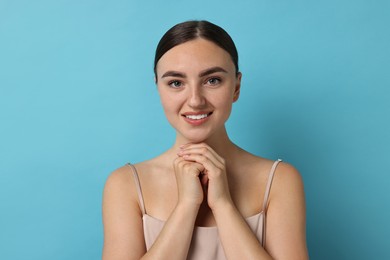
{"x": 213, "y": 81}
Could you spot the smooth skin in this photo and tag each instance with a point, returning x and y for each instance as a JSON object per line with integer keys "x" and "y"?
{"x": 204, "y": 179}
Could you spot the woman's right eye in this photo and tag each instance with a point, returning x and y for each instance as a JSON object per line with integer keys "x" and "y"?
{"x": 175, "y": 84}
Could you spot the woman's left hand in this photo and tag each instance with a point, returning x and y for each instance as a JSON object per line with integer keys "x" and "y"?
{"x": 214, "y": 179}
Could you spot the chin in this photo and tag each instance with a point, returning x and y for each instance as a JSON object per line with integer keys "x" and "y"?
{"x": 199, "y": 137}
{"x": 194, "y": 137}
{"x": 195, "y": 140}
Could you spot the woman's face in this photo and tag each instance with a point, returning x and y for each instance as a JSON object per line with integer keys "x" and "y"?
{"x": 198, "y": 84}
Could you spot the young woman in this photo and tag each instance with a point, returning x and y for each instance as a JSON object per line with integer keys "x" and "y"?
{"x": 205, "y": 197}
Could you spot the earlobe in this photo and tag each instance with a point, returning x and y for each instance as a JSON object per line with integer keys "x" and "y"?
{"x": 236, "y": 96}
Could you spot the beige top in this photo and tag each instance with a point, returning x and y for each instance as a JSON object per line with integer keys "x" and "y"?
{"x": 205, "y": 242}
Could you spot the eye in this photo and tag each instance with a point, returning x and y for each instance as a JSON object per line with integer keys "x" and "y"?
{"x": 175, "y": 84}
{"x": 213, "y": 81}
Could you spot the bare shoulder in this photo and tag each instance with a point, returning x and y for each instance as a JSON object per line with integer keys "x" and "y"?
{"x": 121, "y": 185}
{"x": 118, "y": 177}
{"x": 287, "y": 179}
{"x": 120, "y": 195}
{"x": 120, "y": 181}
{"x": 286, "y": 221}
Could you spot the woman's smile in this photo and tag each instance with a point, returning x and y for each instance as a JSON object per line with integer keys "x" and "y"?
{"x": 196, "y": 118}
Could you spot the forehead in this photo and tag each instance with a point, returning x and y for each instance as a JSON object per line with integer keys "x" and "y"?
{"x": 195, "y": 55}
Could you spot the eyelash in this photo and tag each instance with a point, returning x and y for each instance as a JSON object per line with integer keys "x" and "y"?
{"x": 171, "y": 83}
{"x": 214, "y": 79}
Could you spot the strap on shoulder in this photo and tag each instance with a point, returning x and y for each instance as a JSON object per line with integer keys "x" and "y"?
{"x": 269, "y": 183}
{"x": 139, "y": 190}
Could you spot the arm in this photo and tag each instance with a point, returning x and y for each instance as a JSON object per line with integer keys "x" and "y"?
{"x": 122, "y": 218}
{"x": 285, "y": 226}
{"x": 174, "y": 240}
{"x": 286, "y": 215}
{"x": 237, "y": 238}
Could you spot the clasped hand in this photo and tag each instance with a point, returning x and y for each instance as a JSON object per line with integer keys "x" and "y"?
{"x": 201, "y": 173}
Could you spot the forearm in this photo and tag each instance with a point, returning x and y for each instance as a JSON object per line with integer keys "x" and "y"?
{"x": 238, "y": 240}
{"x": 175, "y": 238}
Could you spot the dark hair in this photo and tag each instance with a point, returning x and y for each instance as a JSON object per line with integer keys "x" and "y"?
{"x": 190, "y": 30}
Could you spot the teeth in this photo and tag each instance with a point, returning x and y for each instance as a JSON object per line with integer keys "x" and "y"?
{"x": 196, "y": 117}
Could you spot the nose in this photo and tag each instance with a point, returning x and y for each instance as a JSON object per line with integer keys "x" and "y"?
{"x": 196, "y": 97}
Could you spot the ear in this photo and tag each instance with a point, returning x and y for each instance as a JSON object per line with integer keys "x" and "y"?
{"x": 237, "y": 87}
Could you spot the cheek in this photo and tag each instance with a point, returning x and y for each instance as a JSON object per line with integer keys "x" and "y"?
{"x": 169, "y": 102}
{"x": 225, "y": 103}
{"x": 225, "y": 99}
{"x": 167, "y": 106}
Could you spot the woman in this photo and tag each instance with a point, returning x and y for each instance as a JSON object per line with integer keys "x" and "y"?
{"x": 204, "y": 198}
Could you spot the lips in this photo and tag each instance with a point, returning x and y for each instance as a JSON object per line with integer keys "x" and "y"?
{"x": 196, "y": 118}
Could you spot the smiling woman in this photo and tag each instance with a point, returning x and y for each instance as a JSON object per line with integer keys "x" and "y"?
{"x": 205, "y": 197}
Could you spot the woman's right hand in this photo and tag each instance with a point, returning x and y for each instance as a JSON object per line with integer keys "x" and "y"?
{"x": 189, "y": 187}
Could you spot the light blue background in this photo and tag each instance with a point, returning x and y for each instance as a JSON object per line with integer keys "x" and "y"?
{"x": 77, "y": 100}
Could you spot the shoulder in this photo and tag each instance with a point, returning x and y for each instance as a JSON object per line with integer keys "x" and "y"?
{"x": 123, "y": 177}
{"x": 120, "y": 188}
{"x": 286, "y": 220}
{"x": 287, "y": 178}
{"x": 287, "y": 190}
{"x": 121, "y": 184}
{"x": 122, "y": 216}
{"x": 119, "y": 179}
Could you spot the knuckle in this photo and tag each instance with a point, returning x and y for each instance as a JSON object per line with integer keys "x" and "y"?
{"x": 218, "y": 171}
{"x": 186, "y": 165}
{"x": 200, "y": 158}
{"x": 177, "y": 161}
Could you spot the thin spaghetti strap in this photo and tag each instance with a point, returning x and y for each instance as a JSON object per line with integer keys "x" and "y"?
{"x": 269, "y": 182}
{"x": 139, "y": 190}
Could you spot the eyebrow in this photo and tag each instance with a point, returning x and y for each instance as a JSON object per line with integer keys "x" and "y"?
{"x": 206, "y": 72}
{"x": 211, "y": 71}
{"x": 172, "y": 73}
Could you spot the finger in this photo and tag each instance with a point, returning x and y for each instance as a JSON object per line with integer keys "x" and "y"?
{"x": 178, "y": 162}
{"x": 196, "y": 167}
{"x": 211, "y": 168}
{"x": 194, "y": 145}
{"x": 202, "y": 150}
{"x": 187, "y": 166}
{"x": 203, "y": 159}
